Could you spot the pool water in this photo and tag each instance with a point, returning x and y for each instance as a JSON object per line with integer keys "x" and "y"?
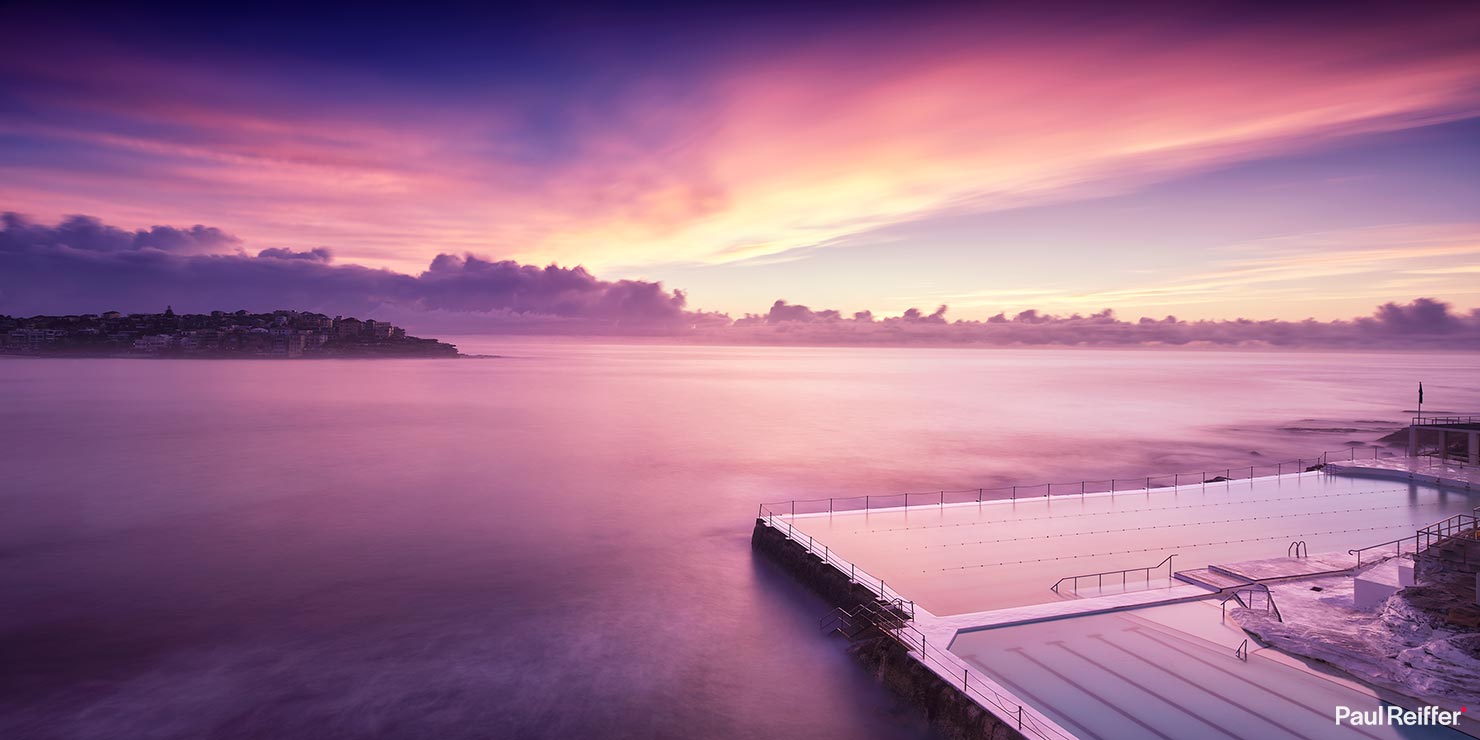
{"x": 962, "y": 558}
{"x": 1169, "y": 672}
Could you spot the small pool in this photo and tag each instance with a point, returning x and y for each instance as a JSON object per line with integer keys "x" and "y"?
{"x": 1169, "y": 672}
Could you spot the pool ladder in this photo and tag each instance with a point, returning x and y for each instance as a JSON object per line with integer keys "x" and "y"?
{"x": 1255, "y": 588}
{"x": 1297, "y": 549}
{"x": 1242, "y": 651}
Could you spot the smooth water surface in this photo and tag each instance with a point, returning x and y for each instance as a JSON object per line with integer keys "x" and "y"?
{"x": 550, "y": 544}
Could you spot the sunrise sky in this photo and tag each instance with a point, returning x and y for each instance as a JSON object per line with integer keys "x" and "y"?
{"x": 1210, "y": 163}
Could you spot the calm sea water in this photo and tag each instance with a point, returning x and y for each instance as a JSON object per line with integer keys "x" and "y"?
{"x": 551, "y": 544}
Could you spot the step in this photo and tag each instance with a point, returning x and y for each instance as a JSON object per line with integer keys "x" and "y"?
{"x": 1281, "y": 568}
{"x": 1210, "y": 578}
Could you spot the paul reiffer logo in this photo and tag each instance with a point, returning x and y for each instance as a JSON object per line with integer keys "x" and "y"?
{"x": 1396, "y": 716}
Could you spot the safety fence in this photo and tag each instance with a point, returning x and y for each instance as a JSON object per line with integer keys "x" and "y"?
{"x": 841, "y": 504}
{"x": 1444, "y": 420}
{"x": 1460, "y": 529}
{"x": 855, "y": 573}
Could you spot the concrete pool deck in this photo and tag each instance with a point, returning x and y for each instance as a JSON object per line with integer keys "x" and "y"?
{"x": 1418, "y": 470}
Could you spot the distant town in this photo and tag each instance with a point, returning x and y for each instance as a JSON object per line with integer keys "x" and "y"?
{"x": 237, "y": 334}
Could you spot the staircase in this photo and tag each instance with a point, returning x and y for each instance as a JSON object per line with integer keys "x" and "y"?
{"x": 864, "y": 620}
{"x": 1451, "y": 546}
{"x": 1452, "y": 556}
{"x": 1212, "y": 577}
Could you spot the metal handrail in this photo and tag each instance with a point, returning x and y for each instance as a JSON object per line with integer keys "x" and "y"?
{"x": 1122, "y": 573}
{"x": 1242, "y": 651}
{"x": 914, "y": 641}
{"x": 1425, "y": 420}
{"x": 854, "y": 573}
{"x": 1458, "y": 528}
{"x": 1269, "y": 604}
{"x": 1399, "y": 542}
{"x": 941, "y": 497}
{"x": 1296, "y": 549}
{"x": 1437, "y": 532}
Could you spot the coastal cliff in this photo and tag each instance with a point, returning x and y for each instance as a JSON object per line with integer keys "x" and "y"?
{"x": 219, "y": 334}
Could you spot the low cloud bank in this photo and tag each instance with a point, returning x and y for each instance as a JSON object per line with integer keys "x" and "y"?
{"x": 84, "y": 266}
{"x": 1425, "y": 322}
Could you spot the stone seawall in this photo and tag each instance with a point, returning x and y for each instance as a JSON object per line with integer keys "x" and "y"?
{"x": 947, "y": 708}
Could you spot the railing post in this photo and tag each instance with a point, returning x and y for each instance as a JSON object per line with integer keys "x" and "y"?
{"x": 793, "y": 507}
{"x": 1020, "y": 717}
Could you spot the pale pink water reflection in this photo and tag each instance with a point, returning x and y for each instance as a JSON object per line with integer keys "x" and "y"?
{"x": 550, "y": 544}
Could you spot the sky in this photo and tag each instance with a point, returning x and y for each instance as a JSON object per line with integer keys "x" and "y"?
{"x": 1217, "y": 162}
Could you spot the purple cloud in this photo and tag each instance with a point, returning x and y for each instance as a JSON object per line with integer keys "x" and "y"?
{"x": 1423, "y": 323}
{"x": 318, "y": 254}
{"x": 89, "y": 234}
{"x": 82, "y": 265}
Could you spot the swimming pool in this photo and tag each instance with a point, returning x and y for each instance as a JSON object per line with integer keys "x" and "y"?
{"x": 961, "y": 558}
{"x": 1169, "y": 672}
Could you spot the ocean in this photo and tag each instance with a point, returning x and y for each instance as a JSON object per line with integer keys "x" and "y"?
{"x": 552, "y": 543}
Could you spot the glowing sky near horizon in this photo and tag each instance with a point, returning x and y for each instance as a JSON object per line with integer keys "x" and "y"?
{"x": 1222, "y": 164}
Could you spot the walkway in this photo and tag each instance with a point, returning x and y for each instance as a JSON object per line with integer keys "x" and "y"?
{"x": 1425, "y": 470}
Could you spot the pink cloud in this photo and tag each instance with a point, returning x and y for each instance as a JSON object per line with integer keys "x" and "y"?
{"x": 82, "y": 265}
{"x": 757, "y": 154}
